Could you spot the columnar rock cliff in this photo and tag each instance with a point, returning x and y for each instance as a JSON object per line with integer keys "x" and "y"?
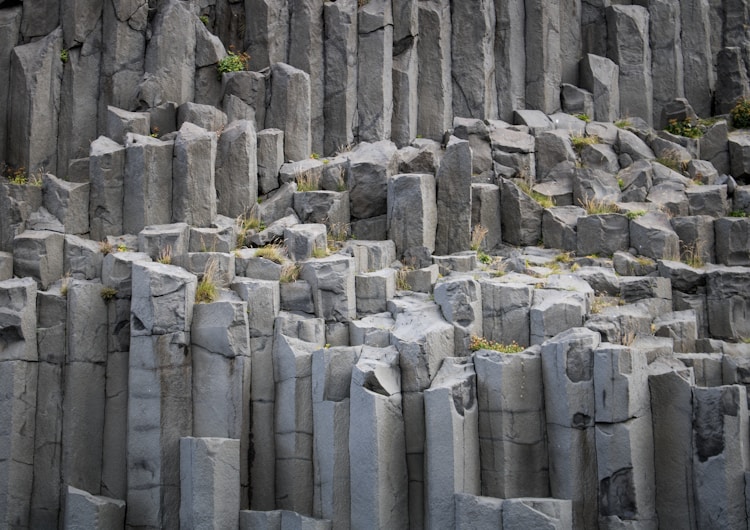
{"x": 409, "y": 264}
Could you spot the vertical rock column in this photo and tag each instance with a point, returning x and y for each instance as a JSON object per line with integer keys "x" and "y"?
{"x": 117, "y": 273}
{"x": 124, "y": 29}
{"x": 376, "y": 442}
{"x": 452, "y": 440}
{"x": 306, "y": 53}
{"x": 568, "y": 376}
{"x": 571, "y": 39}
{"x": 512, "y": 432}
{"x": 423, "y": 339}
{"x": 624, "y": 437}
{"x": 672, "y": 417}
{"x": 454, "y": 199}
{"x": 543, "y": 55}
{"x": 289, "y": 109}
{"x": 720, "y": 455}
{"x": 510, "y": 57}
{"x": 84, "y": 388}
{"x": 412, "y": 215}
{"x": 266, "y": 32}
{"x": 374, "y": 77}
{"x": 35, "y": 79}
{"x": 106, "y": 174}
{"x": 237, "y": 169}
{"x": 435, "y": 87}
{"x": 331, "y": 383}
{"x": 698, "y": 61}
{"x": 220, "y": 346}
{"x": 193, "y": 178}
{"x": 18, "y": 381}
{"x": 666, "y": 54}
{"x": 405, "y": 71}
{"x": 263, "y": 303}
{"x": 473, "y": 61}
{"x": 79, "y": 95}
{"x": 147, "y": 190}
{"x": 10, "y": 24}
{"x": 629, "y": 47}
{"x": 209, "y": 482}
{"x": 340, "y": 99}
{"x": 51, "y": 343}
{"x": 293, "y": 425}
{"x": 159, "y": 391}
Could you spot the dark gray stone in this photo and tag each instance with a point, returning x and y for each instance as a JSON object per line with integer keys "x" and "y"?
{"x": 521, "y": 216}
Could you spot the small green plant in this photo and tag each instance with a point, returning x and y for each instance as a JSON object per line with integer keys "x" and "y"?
{"x": 684, "y": 128}
{"x": 207, "y": 290}
{"x": 165, "y": 255}
{"x": 307, "y": 182}
{"x": 564, "y": 257}
{"x": 595, "y": 206}
{"x": 64, "y": 55}
{"x": 233, "y": 62}
{"x": 670, "y": 162}
{"x": 579, "y": 141}
{"x": 271, "y": 252}
{"x": 154, "y": 132}
{"x": 108, "y": 293}
{"x": 315, "y": 156}
{"x": 635, "y": 214}
{"x": 483, "y": 257}
{"x": 478, "y": 233}
{"x": 246, "y": 225}
{"x": 583, "y": 117}
{"x": 740, "y": 114}
{"x": 320, "y": 252}
{"x": 480, "y": 343}
{"x": 542, "y": 200}
{"x": 204, "y": 19}
{"x": 122, "y": 247}
{"x": 623, "y": 123}
{"x": 737, "y": 213}
{"x": 289, "y": 273}
{"x": 621, "y": 184}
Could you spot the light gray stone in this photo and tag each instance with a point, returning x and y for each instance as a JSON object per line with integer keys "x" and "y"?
{"x": 732, "y": 237}
{"x": 543, "y": 55}
{"x": 435, "y": 68}
{"x": 106, "y": 170}
{"x": 601, "y": 77}
{"x": 696, "y": 37}
{"x": 304, "y": 240}
{"x": 18, "y": 319}
{"x": 209, "y": 482}
{"x": 559, "y": 227}
{"x": 521, "y": 216}
{"x": 84, "y": 510}
{"x": 266, "y": 32}
{"x": 167, "y": 244}
{"x": 237, "y": 169}
{"x": 169, "y": 63}
{"x": 536, "y": 512}
{"x": 35, "y": 80}
{"x": 511, "y": 424}
{"x": 371, "y": 166}
{"x": 453, "y": 182}
{"x": 331, "y": 382}
{"x": 554, "y": 311}
{"x": 376, "y": 428}
{"x": 333, "y": 287}
{"x": 193, "y": 179}
{"x": 652, "y": 235}
{"x": 485, "y": 212}
{"x": 163, "y": 298}
{"x": 451, "y": 440}
{"x": 460, "y": 302}
{"x": 147, "y": 191}
{"x": 39, "y": 254}
{"x": 681, "y": 327}
{"x": 340, "y": 99}
{"x": 602, "y": 234}
{"x": 289, "y": 109}
{"x": 374, "y": 289}
{"x": 412, "y": 212}
{"x": 505, "y": 311}
{"x": 374, "y": 84}
{"x": 68, "y": 202}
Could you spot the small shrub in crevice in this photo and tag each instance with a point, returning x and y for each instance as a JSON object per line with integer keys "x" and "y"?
{"x": 684, "y": 128}
{"x": 272, "y": 252}
{"x": 233, "y": 62}
{"x": 741, "y": 114}
{"x": 207, "y": 290}
{"x": 480, "y": 343}
{"x": 108, "y": 293}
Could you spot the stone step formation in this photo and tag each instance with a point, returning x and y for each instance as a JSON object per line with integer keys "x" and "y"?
{"x": 374, "y": 264}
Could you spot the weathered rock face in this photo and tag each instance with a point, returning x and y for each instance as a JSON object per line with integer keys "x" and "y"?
{"x": 507, "y": 339}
